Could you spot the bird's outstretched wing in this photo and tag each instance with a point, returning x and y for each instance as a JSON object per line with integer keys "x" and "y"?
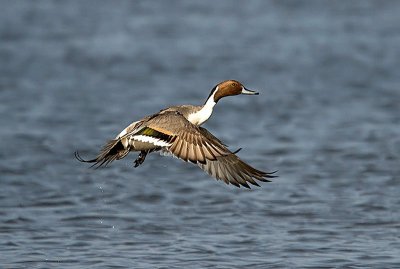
{"x": 199, "y": 146}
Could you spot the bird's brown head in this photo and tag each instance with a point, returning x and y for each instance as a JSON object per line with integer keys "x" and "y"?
{"x": 228, "y": 88}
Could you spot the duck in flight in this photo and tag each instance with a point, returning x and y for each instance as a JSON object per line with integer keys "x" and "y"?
{"x": 176, "y": 130}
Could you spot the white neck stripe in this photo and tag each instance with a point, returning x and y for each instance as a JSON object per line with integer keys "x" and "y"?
{"x": 205, "y": 112}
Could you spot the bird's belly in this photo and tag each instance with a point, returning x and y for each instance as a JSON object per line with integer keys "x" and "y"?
{"x": 139, "y": 145}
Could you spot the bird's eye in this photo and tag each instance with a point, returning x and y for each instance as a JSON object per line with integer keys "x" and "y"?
{"x": 234, "y": 84}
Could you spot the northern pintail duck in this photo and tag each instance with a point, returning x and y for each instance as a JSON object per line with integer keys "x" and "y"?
{"x": 176, "y": 130}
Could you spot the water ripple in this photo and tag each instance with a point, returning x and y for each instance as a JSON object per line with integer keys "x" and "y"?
{"x": 326, "y": 118}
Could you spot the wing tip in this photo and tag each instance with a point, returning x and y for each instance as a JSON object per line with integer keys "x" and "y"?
{"x": 271, "y": 174}
{"x": 253, "y": 182}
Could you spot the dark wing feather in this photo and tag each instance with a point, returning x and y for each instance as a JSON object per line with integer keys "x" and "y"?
{"x": 233, "y": 170}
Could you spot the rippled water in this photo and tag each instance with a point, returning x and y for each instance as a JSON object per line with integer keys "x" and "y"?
{"x": 74, "y": 73}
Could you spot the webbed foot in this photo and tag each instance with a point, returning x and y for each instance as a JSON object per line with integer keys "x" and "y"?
{"x": 140, "y": 159}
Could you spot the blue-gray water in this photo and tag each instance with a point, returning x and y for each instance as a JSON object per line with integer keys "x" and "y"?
{"x": 74, "y": 73}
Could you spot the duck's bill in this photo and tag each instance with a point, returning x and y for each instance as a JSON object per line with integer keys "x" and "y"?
{"x": 247, "y": 91}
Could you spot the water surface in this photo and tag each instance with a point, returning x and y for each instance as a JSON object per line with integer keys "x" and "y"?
{"x": 74, "y": 73}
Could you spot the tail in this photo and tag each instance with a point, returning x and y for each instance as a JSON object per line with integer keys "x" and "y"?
{"x": 113, "y": 150}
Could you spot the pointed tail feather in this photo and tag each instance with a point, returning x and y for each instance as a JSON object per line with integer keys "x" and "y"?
{"x": 113, "y": 150}
{"x": 79, "y": 158}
